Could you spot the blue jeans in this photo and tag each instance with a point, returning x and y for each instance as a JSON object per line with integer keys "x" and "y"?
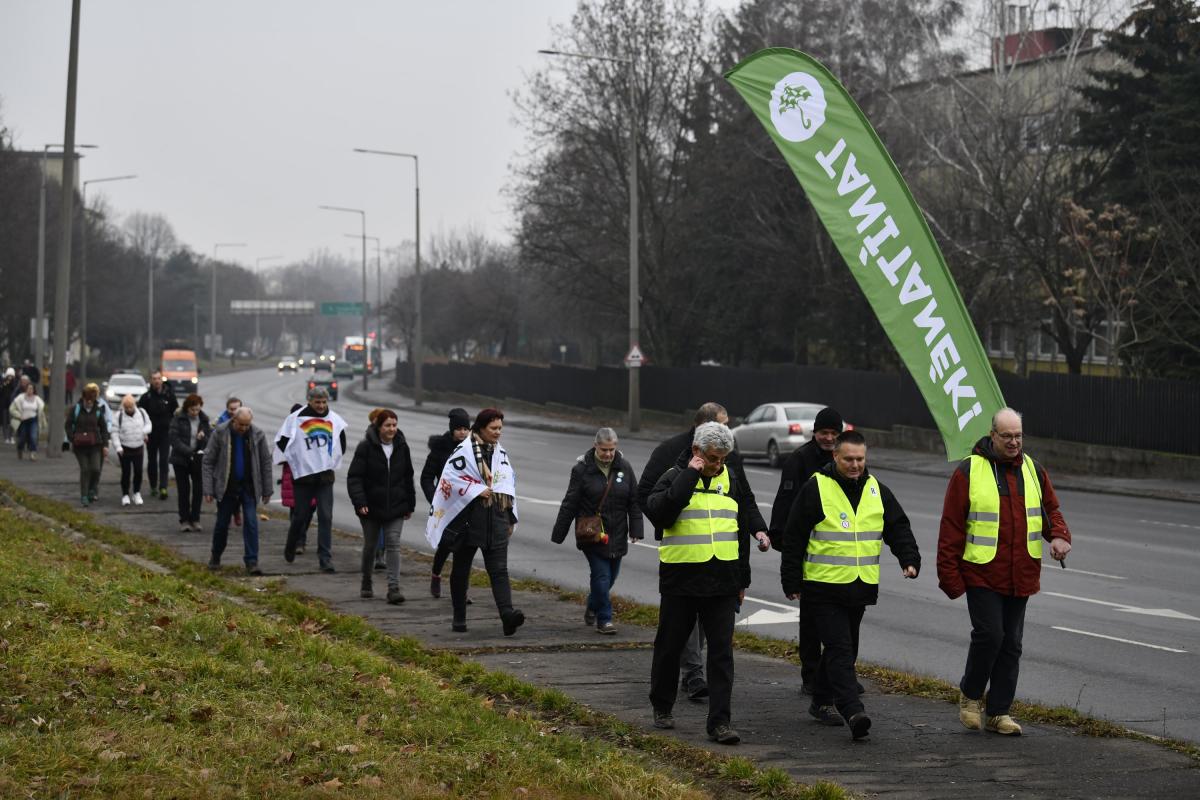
{"x": 225, "y": 508}
{"x": 604, "y": 575}
{"x": 27, "y": 435}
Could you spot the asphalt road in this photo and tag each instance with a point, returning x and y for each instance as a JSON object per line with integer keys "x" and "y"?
{"x": 1116, "y": 634}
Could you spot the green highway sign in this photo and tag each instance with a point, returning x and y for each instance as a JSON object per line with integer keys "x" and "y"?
{"x": 341, "y": 309}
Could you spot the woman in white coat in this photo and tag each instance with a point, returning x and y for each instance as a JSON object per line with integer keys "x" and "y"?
{"x": 130, "y": 429}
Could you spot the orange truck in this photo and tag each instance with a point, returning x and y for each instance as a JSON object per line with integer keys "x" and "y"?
{"x": 179, "y": 369}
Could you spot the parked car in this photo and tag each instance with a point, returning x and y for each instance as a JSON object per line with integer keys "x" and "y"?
{"x": 307, "y": 358}
{"x": 120, "y": 384}
{"x": 288, "y": 364}
{"x": 773, "y": 430}
{"x": 325, "y": 378}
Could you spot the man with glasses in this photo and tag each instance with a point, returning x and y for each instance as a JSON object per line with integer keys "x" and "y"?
{"x": 999, "y": 508}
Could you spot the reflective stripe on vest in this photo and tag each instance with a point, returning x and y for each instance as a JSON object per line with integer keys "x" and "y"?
{"x": 983, "y": 515}
{"x": 846, "y": 544}
{"x": 706, "y": 528}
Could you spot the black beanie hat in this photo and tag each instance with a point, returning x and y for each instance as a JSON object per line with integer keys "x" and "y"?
{"x": 459, "y": 418}
{"x": 828, "y": 419}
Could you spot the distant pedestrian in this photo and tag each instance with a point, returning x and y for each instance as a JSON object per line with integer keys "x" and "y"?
{"x": 130, "y": 431}
{"x": 70, "y": 384}
{"x": 1000, "y": 506}
{"x": 190, "y": 432}
{"x": 87, "y": 431}
{"x": 440, "y": 447}
{"x": 831, "y": 552}
{"x": 313, "y": 440}
{"x": 476, "y": 499}
{"x": 46, "y": 383}
{"x": 27, "y": 413}
{"x": 30, "y": 370}
{"x": 601, "y": 497}
{"x": 380, "y": 485}
{"x": 237, "y": 473}
{"x": 231, "y": 406}
{"x": 160, "y": 403}
{"x": 8, "y": 393}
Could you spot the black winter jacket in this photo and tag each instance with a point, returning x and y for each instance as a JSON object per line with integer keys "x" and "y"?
{"x": 384, "y": 487}
{"x": 621, "y": 513}
{"x": 160, "y": 407}
{"x": 807, "y": 511}
{"x": 673, "y": 450}
{"x": 181, "y": 438}
{"x": 440, "y": 448}
{"x": 671, "y": 495}
{"x": 802, "y": 464}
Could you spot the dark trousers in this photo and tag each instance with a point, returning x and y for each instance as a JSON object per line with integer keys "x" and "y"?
{"x": 158, "y": 453}
{"x": 495, "y": 561}
{"x": 235, "y": 500}
{"x": 677, "y": 616}
{"x": 189, "y": 490}
{"x": 444, "y": 549}
{"x": 303, "y": 495}
{"x": 994, "y": 658}
{"x": 809, "y": 647}
{"x": 131, "y": 466}
{"x": 91, "y": 461}
{"x": 835, "y": 681}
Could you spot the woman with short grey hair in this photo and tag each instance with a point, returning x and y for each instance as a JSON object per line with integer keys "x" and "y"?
{"x": 604, "y": 486}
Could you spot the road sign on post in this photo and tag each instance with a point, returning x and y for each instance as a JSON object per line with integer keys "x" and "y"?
{"x": 342, "y": 309}
{"x": 634, "y": 358}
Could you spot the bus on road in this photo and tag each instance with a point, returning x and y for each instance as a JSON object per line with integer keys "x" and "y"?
{"x": 357, "y": 353}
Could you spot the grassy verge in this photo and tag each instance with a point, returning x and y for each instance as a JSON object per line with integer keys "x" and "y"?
{"x": 117, "y": 682}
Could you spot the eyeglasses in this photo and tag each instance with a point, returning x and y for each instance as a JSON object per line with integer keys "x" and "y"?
{"x": 1009, "y": 437}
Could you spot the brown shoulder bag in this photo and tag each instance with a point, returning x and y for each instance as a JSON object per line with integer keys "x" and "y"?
{"x": 590, "y": 529}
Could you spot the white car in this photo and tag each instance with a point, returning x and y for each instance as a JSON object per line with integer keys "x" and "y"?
{"x": 773, "y": 430}
{"x": 122, "y": 383}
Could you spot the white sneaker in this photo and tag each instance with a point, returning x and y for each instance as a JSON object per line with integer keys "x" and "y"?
{"x": 124, "y": 499}
{"x": 137, "y": 498}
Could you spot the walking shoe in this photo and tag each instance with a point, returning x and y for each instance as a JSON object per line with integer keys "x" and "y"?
{"x": 1003, "y": 724}
{"x": 289, "y": 553}
{"x": 723, "y": 734}
{"x": 366, "y": 592}
{"x": 589, "y": 617}
{"x": 196, "y": 526}
{"x": 435, "y": 586}
{"x": 459, "y": 626}
{"x": 94, "y": 496}
{"x": 380, "y": 563}
{"x": 394, "y": 596}
{"x": 860, "y": 725}
{"x": 185, "y": 527}
{"x": 83, "y": 501}
{"x": 512, "y": 620}
{"x": 696, "y": 688}
{"x": 663, "y": 719}
{"x": 32, "y": 456}
{"x": 137, "y": 499}
{"x": 327, "y": 568}
{"x": 214, "y": 564}
{"x": 252, "y": 568}
{"x": 125, "y": 500}
{"x": 300, "y": 549}
{"x": 606, "y": 628}
{"x": 969, "y": 712}
{"x": 162, "y": 494}
{"x": 826, "y": 715}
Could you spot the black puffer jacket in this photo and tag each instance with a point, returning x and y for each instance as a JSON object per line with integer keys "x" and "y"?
{"x": 440, "y": 448}
{"x": 384, "y": 487}
{"x": 622, "y": 514}
{"x": 181, "y": 438}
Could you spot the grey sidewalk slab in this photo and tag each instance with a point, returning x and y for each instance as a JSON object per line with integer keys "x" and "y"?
{"x": 916, "y": 749}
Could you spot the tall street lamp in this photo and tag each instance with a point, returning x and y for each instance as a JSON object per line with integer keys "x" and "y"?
{"x": 378, "y": 303}
{"x": 83, "y": 304}
{"x": 416, "y": 355}
{"x": 635, "y": 401}
{"x": 366, "y": 341}
{"x": 212, "y": 322}
{"x": 39, "y": 314}
{"x": 257, "y": 314}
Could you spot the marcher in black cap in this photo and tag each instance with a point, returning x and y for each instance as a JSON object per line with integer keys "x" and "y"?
{"x": 440, "y": 448}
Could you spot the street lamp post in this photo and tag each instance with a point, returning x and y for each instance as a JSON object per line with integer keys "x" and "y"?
{"x": 635, "y": 400}
{"x": 83, "y": 281}
{"x": 257, "y": 314}
{"x": 39, "y": 315}
{"x": 378, "y": 304}
{"x": 366, "y": 341}
{"x": 416, "y": 355}
{"x": 212, "y": 322}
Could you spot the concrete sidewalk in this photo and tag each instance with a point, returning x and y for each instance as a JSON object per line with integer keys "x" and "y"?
{"x": 917, "y": 749}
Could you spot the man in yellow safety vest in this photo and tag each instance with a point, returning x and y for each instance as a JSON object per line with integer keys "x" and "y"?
{"x": 833, "y": 540}
{"x": 703, "y": 571}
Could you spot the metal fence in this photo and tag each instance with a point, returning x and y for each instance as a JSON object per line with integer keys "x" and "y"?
{"x": 1118, "y": 412}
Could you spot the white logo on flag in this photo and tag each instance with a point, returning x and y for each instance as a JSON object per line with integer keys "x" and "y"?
{"x": 797, "y": 106}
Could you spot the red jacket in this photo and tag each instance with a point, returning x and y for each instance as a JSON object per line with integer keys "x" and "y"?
{"x": 1012, "y": 571}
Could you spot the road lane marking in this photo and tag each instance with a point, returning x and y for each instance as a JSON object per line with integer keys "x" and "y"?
{"x": 1170, "y": 524}
{"x": 1119, "y": 639}
{"x": 536, "y": 501}
{"x": 1046, "y": 565}
{"x": 1169, "y": 613}
{"x": 768, "y": 617}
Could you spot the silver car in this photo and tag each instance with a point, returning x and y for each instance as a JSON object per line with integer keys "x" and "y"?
{"x": 121, "y": 384}
{"x": 773, "y": 430}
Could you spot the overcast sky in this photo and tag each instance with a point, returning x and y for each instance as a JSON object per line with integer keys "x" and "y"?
{"x": 239, "y": 117}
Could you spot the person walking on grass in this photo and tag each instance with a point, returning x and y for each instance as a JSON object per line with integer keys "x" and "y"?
{"x": 131, "y": 429}
{"x": 440, "y": 447}
{"x": 237, "y": 472}
{"x": 27, "y": 414}
{"x": 380, "y": 485}
{"x": 87, "y": 432}
{"x": 190, "y": 432}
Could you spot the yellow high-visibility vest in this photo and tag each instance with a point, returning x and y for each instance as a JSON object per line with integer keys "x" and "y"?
{"x": 707, "y": 528}
{"x": 983, "y": 513}
{"x": 846, "y": 544}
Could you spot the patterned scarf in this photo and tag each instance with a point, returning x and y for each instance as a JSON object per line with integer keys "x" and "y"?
{"x": 477, "y": 444}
